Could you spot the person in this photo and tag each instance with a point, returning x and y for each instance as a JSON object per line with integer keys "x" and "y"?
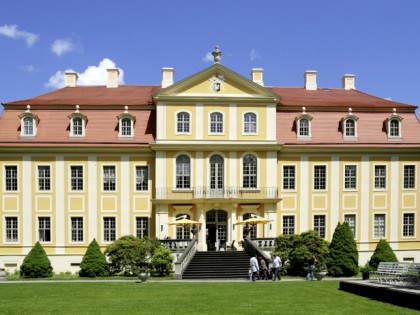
{"x": 276, "y": 267}
{"x": 263, "y": 269}
{"x": 311, "y": 266}
{"x": 253, "y": 263}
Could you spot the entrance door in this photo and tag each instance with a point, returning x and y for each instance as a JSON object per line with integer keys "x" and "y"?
{"x": 216, "y": 228}
{"x": 216, "y": 176}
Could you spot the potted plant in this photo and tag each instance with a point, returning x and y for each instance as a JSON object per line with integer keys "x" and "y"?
{"x": 321, "y": 271}
{"x": 144, "y": 274}
{"x": 365, "y": 270}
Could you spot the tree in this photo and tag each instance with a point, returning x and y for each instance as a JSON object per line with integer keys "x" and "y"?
{"x": 36, "y": 264}
{"x": 296, "y": 250}
{"x": 383, "y": 252}
{"x": 162, "y": 261}
{"x": 343, "y": 259}
{"x": 128, "y": 254}
{"x": 94, "y": 263}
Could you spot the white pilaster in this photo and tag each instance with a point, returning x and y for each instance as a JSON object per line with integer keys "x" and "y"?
{"x": 162, "y": 221}
{"x": 91, "y": 184}
{"x": 27, "y": 205}
{"x": 270, "y": 213}
{"x": 233, "y": 123}
{"x": 271, "y": 122}
{"x": 161, "y": 118}
{"x": 125, "y": 222}
{"x": 394, "y": 188}
{"x": 334, "y": 175}
{"x": 199, "y": 125}
{"x": 304, "y": 193}
{"x": 199, "y": 173}
{"x": 160, "y": 171}
{"x": 59, "y": 205}
{"x": 271, "y": 172}
{"x": 364, "y": 211}
{"x": 202, "y": 246}
{"x": 233, "y": 174}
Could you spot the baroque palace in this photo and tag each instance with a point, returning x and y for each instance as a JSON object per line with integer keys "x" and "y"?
{"x": 85, "y": 162}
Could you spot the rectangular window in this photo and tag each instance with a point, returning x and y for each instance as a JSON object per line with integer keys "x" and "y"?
{"x": 109, "y": 178}
{"x": 289, "y": 224}
{"x": 379, "y": 226}
{"x": 319, "y": 225}
{"x": 110, "y": 232}
{"x": 216, "y": 123}
{"x": 12, "y": 230}
{"x": 350, "y": 177}
{"x": 76, "y": 177}
{"x": 142, "y": 178}
{"x": 44, "y": 229}
{"x": 77, "y": 229}
{"x": 44, "y": 178}
{"x": 142, "y": 227}
{"x": 320, "y": 177}
{"x": 289, "y": 177}
{"x": 408, "y": 225}
{"x": 380, "y": 176}
{"x": 409, "y": 176}
{"x": 351, "y": 221}
{"x": 11, "y": 178}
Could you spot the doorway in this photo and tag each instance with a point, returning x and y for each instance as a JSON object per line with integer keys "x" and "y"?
{"x": 216, "y": 229}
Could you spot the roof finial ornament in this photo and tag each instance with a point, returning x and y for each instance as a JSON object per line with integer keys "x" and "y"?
{"x": 125, "y": 109}
{"x": 28, "y": 108}
{"x": 304, "y": 110}
{"x": 394, "y": 111}
{"x": 350, "y": 111}
{"x": 77, "y": 108}
{"x": 217, "y": 54}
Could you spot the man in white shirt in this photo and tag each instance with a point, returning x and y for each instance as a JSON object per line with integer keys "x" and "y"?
{"x": 276, "y": 268}
{"x": 253, "y": 264}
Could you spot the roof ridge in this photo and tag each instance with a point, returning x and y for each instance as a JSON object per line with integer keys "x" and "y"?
{"x": 383, "y": 99}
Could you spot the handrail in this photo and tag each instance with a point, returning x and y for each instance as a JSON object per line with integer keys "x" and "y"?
{"x": 185, "y": 258}
{"x": 252, "y": 249}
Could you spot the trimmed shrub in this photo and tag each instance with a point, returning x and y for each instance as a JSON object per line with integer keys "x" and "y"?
{"x": 296, "y": 250}
{"x": 94, "y": 263}
{"x": 36, "y": 264}
{"x": 162, "y": 261}
{"x": 343, "y": 260}
{"x": 383, "y": 252}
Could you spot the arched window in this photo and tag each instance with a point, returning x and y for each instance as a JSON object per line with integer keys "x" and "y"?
{"x": 183, "y": 172}
{"x": 394, "y": 128}
{"x": 77, "y": 126}
{"x": 216, "y": 123}
{"x": 350, "y": 128}
{"x": 303, "y": 128}
{"x": 28, "y": 123}
{"x": 249, "y": 171}
{"x": 216, "y": 172}
{"x": 126, "y": 124}
{"x": 126, "y": 127}
{"x": 183, "y": 123}
{"x": 252, "y": 228}
{"x": 28, "y": 126}
{"x": 250, "y": 123}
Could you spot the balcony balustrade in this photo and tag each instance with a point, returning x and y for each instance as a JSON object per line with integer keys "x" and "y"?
{"x": 228, "y": 192}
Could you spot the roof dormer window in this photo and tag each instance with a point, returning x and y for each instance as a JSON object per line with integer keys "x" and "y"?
{"x": 393, "y": 124}
{"x": 28, "y": 123}
{"x": 126, "y": 124}
{"x": 349, "y": 126}
{"x": 303, "y": 125}
{"x": 77, "y": 123}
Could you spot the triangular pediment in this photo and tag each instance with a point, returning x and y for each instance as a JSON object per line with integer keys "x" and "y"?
{"x": 217, "y": 83}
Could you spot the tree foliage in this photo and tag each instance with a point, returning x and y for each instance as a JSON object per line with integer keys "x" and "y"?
{"x": 383, "y": 252}
{"x": 343, "y": 260}
{"x": 94, "y": 263}
{"x": 36, "y": 264}
{"x": 295, "y": 251}
{"x": 128, "y": 255}
{"x": 162, "y": 261}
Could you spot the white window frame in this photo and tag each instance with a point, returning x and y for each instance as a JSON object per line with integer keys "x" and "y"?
{"x": 350, "y": 177}
{"x": 209, "y": 168}
{"x": 5, "y": 190}
{"x": 71, "y": 229}
{"x": 242, "y": 171}
{"x": 283, "y": 228}
{"x": 374, "y": 226}
{"x": 5, "y": 229}
{"x": 413, "y": 224}
{"x": 77, "y": 115}
{"x": 131, "y": 119}
{"x": 37, "y": 178}
{"x": 391, "y": 129}
{"x": 326, "y": 177}
{"x": 298, "y": 120}
{"x": 103, "y": 166}
{"x": 189, "y": 122}
{"x": 283, "y": 177}
{"x": 35, "y": 120}
{"x": 244, "y": 124}
{"x": 136, "y": 228}
{"x": 375, "y": 187}
{"x": 51, "y": 229}
{"x": 346, "y": 128}
{"x": 320, "y": 227}
{"x": 103, "y": 228}
{"x": 404, "y": 177}
{"x": 191, "y": 172}
{"x": 147, "y": 167}
{"x": 71, "y": 177}
{"x": 355, "y": 222}
{"x": 215, "y": 133}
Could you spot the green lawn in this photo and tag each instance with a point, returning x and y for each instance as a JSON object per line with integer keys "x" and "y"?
{"x": 187, "y": 298}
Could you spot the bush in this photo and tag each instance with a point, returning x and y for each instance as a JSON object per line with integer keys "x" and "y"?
{"x": 296, "y": 250}
{"x": 343, "y": 260}
{"x": 162, "y": 261}
{"x": 94, "y": 263}
{"x": 36, "y": 264}
{"x": 128, "y": 255}
{"x": 383, "y": 252}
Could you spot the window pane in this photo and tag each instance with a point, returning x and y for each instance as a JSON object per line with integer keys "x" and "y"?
{"x": 183, "y": 123}
{"x": 12, "y": 232}
{"x": 109, "y": 229}
{"x": 77, "y": 229}
{"x": 183, "y": 172}
{"x": 379, "y": 226}
{"x": 44, "y": 229}
{"x": 408, "y": 225}
{"x": 351, "y": 221}
{"x": 249, "y": 168}
{"x": 320, "y": 177}
{"x": 44, "y": 178}
{"x": 250, "y": 123}
{"x": 11, "y": 178}
{"x": 142, "y": 227}
{"x": 216, "y": 123}
{"x": 109, "y": 178}
{"x": 380, "y": 176}
{"x": 303, "y": 127}
{"x": 288, "y": 224}
{"x": 409, "y": 176}
{"x": 350, "y": 177}
{"x": 288, "y": 177}
{"x": 319, "y": 225}
{"x": 76, "y": 177}
{"x": 142, "y": 178}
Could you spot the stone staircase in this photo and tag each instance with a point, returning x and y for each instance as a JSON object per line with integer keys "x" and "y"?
{"x": 218, "y": 265}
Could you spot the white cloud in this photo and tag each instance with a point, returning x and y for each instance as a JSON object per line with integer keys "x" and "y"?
{"x": 13, "y": 32}
{"x": 62, "y": 46}
{"x": 28, "y": 68}
{"x": 254, "y": 55}
{"x": 93, "y": 75}
{"x": 208, "y": 57}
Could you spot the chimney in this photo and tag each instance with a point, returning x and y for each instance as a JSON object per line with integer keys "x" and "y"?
{"x": 71, "y": 78}
{"x": 310, "y": 80}
{"x": 348, "y": 82}
{"x": 167, "y": 77}
{"x": 257, "y": 75}
{"x": 113, "y": 74}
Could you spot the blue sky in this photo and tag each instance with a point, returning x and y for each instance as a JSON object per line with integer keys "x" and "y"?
{"x": 377, "y": 40}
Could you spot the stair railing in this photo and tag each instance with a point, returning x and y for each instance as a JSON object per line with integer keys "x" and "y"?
{"x": 185, "y": 258}
{"x": 252, "y": 249}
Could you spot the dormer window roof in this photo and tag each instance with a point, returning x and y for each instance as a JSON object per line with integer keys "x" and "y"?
{"x": 126, "y": 124}
{"x": 78, "y": 123}
{"x": 303, "y": 125}
{"x": 28, "y": 123}
{"x": 349, "y": 125}
{"x": 393, "y": 125}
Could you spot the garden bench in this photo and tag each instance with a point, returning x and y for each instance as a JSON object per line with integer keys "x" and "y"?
{"x": 412, "y": 278}
{"x": 391, "y": 272}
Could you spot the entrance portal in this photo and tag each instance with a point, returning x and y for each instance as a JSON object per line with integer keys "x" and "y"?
{"x": 216, "y": 229}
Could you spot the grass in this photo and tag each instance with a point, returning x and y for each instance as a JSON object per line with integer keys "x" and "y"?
{"x": 187, "y": 298}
